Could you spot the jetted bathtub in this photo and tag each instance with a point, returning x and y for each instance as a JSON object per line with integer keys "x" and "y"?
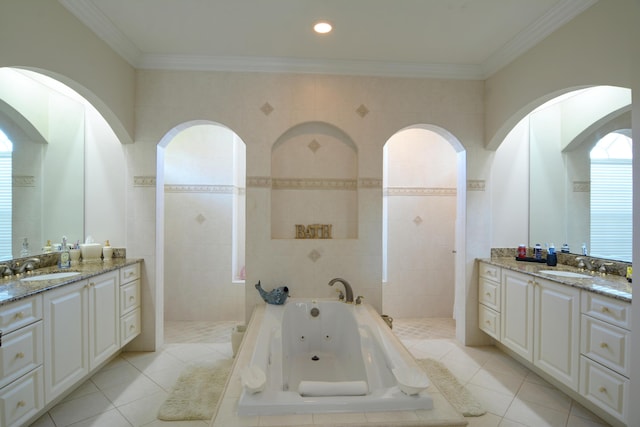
{"x": 322, "y": 356}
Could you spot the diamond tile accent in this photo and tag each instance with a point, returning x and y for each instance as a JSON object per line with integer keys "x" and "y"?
{"x": 314, "y": 146}
{"x": 314, "y": 255}
{"x": 200, "y": 218}
{"x": 362, "y": 110}
{"x": 266, "y": 108}
{"x": 417, "y": 220}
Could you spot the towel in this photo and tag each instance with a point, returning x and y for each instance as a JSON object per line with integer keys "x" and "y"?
{"x": 333, "y": 388}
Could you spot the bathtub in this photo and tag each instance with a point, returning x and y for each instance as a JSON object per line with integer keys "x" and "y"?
{"x": 327, "y": 346}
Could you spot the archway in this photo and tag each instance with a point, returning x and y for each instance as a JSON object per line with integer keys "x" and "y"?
{"x": 423, "y": 222}
{"x": 202, "y": 186}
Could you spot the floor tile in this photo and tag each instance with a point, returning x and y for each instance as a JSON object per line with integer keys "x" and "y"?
{"x": 72, "y": 411}
{"x": 130, "y": 388}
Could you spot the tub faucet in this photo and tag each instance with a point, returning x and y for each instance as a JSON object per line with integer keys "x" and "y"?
{"x": 347, "y": 289}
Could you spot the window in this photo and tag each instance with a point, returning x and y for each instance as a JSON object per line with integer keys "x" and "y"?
{"x": 6, "y": 150}
{"x": 611, "y": 198}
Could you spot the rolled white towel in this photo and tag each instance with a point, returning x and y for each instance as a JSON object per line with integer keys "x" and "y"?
{"x": 333, "y": 388}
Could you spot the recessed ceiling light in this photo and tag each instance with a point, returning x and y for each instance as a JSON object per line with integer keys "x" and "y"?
{"x": 322, "y": 27}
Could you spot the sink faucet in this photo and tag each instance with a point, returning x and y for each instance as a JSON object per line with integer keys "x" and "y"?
{"x": 585, "y": 263}
{"x": 26, "y": 265}
{"x": 5, "y": 270}
{"x": 347, "y": 289}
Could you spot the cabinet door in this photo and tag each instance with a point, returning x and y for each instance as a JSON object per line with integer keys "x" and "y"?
{"x": 557, "y": 331}
{"x": 517, "y": 313}
{"x": 104, "y": 319}
{"x": 65, "y": 338}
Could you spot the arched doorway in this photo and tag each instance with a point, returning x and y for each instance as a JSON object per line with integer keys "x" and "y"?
{"x": 203, "y": 191}
{"x": 423, "y": 222}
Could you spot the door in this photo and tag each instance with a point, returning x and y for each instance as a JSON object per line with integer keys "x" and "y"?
{"x": 517, "y": 313}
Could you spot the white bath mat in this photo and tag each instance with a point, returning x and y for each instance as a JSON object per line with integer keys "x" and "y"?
{"x": 457, "y": 395}
{"x": 196, "y": 392}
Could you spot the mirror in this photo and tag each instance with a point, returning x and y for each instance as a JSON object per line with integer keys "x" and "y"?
{"x": 42, "y": 164}
{"x": 564, "y": 193}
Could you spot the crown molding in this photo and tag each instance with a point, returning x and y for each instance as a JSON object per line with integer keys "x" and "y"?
{"x": 308, "y": 66}
{"x": 560, "y": 14}
{"x": 87, "y": 12}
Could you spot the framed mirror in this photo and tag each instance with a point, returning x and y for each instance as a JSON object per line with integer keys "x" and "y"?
{"x": 41, "y": 163}
{"x": 580, "y": 172}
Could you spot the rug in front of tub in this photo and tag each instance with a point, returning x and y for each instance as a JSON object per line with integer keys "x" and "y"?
{"x": 196, "y": 392}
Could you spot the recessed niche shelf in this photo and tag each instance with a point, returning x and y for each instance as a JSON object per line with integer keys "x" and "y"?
{"x": 314, "y": 171}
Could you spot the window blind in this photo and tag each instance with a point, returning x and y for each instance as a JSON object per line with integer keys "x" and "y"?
{"x": 611, "y": 209}
{"x": 5, "y": 205}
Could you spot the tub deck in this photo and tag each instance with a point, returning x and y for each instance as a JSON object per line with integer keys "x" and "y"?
{"x": 442, "y": 414}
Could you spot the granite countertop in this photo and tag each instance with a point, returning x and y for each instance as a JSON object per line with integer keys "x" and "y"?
{"x": 611, "y": 285}
{"x": 13, "y": 289}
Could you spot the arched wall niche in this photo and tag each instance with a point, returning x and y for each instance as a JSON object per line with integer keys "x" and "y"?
{"x": 314, "y": 175}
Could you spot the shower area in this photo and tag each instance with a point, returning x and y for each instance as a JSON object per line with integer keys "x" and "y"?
{"x": 204, "y": 228}
{"x": 419, "y": 225}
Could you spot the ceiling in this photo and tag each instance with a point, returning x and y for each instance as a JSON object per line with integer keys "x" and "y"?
{"x": 468, "y": 39}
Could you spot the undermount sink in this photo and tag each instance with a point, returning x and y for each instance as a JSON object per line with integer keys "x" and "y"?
{"x": 50, "y": 276}
{"x": 570, "y": 274}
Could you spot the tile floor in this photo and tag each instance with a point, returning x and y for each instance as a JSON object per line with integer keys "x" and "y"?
{"x": 129, "y": 390}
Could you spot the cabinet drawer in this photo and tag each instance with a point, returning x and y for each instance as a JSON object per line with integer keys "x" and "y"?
{"x": 604, "y": 388}
{"x": 129, "y": 326}
{"x": 21, "y": 351}
{"x": 20, "y": 313}
{"x": 489, "y": 293}
{"x": 608, "y": 309}
{"x": 490, "y": 272}
{"x": 129, "y": 297}
{"x": 129, "y": 273}
{"x": 21, "y": 399}
{"x": 606, "y": 344}
{"x": 489, "y": 321}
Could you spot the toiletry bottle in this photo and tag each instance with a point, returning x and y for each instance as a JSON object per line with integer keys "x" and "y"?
{"x": 537, "y": 251}
{"x": 552, "y": 257}
{"x": 522, "y": 251}
{"x": 584, "y": 249}
{"x": 65, "y": 256}
{"x": 47, "y": 247}
{"x": 565, "y": 248}
{"x": 24, "y": 252}
{"x": 107, "y": 252}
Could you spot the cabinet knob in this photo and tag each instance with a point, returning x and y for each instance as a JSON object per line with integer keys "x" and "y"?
{"x": 19, "y": 315}
{"x": 603, "y": 345}
{"x": 487, "y": 322}
{"x": 131, "y": 298}
{"x": 604, "y": 309}
{"x": 488, "y": 294}
{"x": 602, "y": 389}
{"x": 20, "y": 355}
{"x": 21, "y": 403}
{"x": 132, "y": 327}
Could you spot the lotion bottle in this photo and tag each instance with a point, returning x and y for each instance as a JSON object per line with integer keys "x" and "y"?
{"x": 65, "y": 256}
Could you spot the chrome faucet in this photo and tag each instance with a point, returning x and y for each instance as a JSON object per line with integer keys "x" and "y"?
{"x": 26, "y": 265}
{"x": 585, "y": 263}
{"x": 347, "y": 289}
{"x": 5, "y": 270}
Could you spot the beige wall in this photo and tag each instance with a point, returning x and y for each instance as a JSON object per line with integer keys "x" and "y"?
{"x": 592, "y": 49}
{"x": 42, "y": 35}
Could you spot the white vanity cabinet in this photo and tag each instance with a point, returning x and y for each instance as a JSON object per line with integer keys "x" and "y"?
{"x": 81, "y": 330}
{"x": 489, "y": 299}
{"x": 517, "y": 313}
{"x": 21, "y": 358}
{"x": 556, "y": 331}
{"x": 130, "y": 320}
{"x": 605, "y": 353}
{"x": 541, "y": 323}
